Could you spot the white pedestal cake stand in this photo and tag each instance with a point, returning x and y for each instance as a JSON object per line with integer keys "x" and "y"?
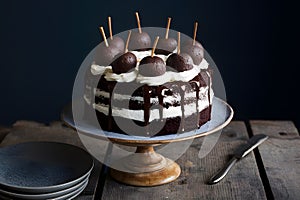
{"x": 145, "y": 167}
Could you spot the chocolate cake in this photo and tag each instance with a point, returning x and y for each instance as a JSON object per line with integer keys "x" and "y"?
{"x": 167, "y": 102}
{"x": 149, "y": 91}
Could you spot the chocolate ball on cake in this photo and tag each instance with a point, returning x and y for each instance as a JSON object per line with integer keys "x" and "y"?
{"x": 139, "y": 41}
{"x": 195, "y": 52}
{"x": 189, "y": 43}
{"x": 117, "y": 42}
{"x": 194, "y": 48}
{"x": 105, "y": 55}
{"x": 114, "y": 40}
{"x": 152, "y": 66}
{"x": 166, "y": 46}
{"x": 124, "y": 63}
{"x": 180, "y": 62}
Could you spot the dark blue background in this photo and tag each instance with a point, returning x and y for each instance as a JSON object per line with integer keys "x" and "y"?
{"x": 254, "y": 43}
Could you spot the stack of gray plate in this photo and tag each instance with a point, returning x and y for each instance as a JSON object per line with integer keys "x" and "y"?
{"x": 43, "y": 170}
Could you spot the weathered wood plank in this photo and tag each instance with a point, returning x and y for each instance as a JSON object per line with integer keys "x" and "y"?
{"x": 280, "y": 156}
{"x": 243, "y": 182}
{"x": 26, "y": 131}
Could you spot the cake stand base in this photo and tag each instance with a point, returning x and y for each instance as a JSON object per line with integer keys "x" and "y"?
{"x": 145, "y": 168}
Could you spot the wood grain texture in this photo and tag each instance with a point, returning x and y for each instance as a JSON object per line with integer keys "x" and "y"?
{"x": 243, "y": 182}
{"x": 280, "y": 156}
{"x": 27, "y": 131}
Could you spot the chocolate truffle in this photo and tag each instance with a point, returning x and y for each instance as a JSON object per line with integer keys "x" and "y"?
{"x": 152, "y": 66}
{"x": 105, "y": 55}
{"x": 195, "y": 52}
{"x": 124, "y": 63}
{"x": 189, "y": 43}
{"x": 164, "y": 46}
{"x": 180, "y": 62}
{"x": 117, "y": 42}
{"x": 139, "y": 41}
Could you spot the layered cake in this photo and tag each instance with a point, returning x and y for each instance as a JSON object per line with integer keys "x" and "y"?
{"x": 144, "y": 91}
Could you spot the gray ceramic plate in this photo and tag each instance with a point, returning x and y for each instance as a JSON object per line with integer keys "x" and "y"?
{"x": 73, "y": 194}
{"x": 221, "y": 115}
{"x": 42, "y": 167}
{"x": 54, "y": 195}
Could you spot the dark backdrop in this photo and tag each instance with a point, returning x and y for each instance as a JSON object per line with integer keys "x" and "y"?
{"x": 254, "y": 43}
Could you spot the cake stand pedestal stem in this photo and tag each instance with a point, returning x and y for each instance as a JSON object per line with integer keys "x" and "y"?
{"x": 144, "y": 149}
{"x": 145, "y": 168}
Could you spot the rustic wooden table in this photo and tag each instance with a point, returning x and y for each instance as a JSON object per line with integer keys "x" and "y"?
{"x": 270, "y": 172}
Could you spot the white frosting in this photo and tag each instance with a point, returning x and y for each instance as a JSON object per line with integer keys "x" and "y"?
{"x": 142, "y": 54}
{"x": 203, "y": 93}
{"x": 124, "y": 77}
{"x": 152, "y": 81}
{"x": 138, "y": 115}
{"x": 99, "y": 70}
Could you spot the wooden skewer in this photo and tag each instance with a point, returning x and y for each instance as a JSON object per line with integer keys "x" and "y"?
{"x": 110, "y": 28}
{"x": 168, "y": 27}
{"x": 154, "y": 46}
{"x": 103, "y": 35}
{"x": 195, "y": 32}
{"x": 127, "y": 41}
{"x": 178, "y": 43}
{"x": 138, "y": 21}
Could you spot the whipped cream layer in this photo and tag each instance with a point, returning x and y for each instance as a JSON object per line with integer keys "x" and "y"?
{"x": 203, "y": 93}
{"x": 170, "y": 112}
{"x": 138, "y": 115}
{"x": 169, "y": 76}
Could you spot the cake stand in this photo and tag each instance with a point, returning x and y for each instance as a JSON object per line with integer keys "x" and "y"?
{"x": 145, "y": 167}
